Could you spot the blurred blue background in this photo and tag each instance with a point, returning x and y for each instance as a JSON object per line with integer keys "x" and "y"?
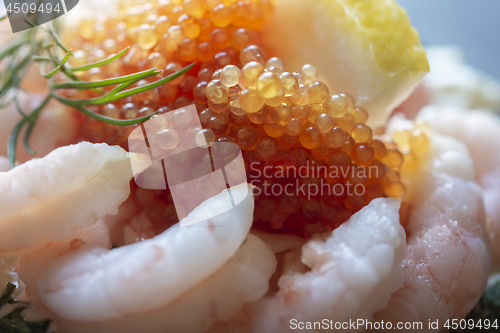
{"x": 473, "y": 25}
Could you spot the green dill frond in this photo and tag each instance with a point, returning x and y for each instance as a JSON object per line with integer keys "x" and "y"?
{"x": 43, "y": 45}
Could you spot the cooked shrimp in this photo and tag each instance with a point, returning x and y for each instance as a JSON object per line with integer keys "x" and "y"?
{"x": 156, "y": 275}
{"x": 4, "y": 164}
{"x": 53, "y": 197}
{"x": 349, "y": 278}
{"x": 244, "y": 278}
{"x": 478, "y": 131}
{"x": 55, "y": 127}
{"x": 27, "y": 266}
{"x": 453, "y": 83}
{"x": 415, "y": 102}
{"x": 447, "y": 258}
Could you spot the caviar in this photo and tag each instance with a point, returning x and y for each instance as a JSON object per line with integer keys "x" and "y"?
{"x": 269, "y": 85}
{"x": 289, "y": 83}
{"x": 324, "y": 122}
{"x": 288, "y": 123}
{"x": 413, "y": 144}
{"x": 217, "y": 92}
{"x": 250, "y": 74}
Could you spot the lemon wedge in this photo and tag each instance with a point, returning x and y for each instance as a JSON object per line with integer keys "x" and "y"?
{"x": 365, "y": 48}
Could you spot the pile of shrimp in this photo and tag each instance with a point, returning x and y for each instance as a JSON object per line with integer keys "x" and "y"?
{"x": 57, "y": 214}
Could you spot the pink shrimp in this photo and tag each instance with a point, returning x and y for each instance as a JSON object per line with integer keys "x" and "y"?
{"x": 447, "y": 260}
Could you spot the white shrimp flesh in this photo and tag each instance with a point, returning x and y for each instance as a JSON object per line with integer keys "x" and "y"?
{"x": 478, "y": 130}
{"x": 93, "y": 286}
{"x": 53, "y": 197}
{"x": 352, "y": 274}
{"x": 447, "y": 258}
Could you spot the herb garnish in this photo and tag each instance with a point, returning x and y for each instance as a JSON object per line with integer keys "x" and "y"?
{"x": 43, "y": 45}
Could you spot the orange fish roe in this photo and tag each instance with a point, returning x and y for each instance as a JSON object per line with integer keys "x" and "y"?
{"x": 308, "y": 151}
{"x": 414, "y": 144}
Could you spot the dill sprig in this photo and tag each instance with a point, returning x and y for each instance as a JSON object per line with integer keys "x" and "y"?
{"x": 13, "y": 321}
{"x": 43, "y": 45}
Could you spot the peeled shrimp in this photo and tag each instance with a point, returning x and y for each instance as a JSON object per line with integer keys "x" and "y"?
{"x": 447, "y": 259}
{"x": 442, "y": 275}
{"x": 453, "y": 83}
{"x": 215, "y": 299}
{"x": 478, "y": 130}
{"x": 53, "y": 197}
{"x": 4, "y": 164}
{"x": 353, "y": 274}
{"x": 55, "y": 127}
{"x": 157, "y": 279}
